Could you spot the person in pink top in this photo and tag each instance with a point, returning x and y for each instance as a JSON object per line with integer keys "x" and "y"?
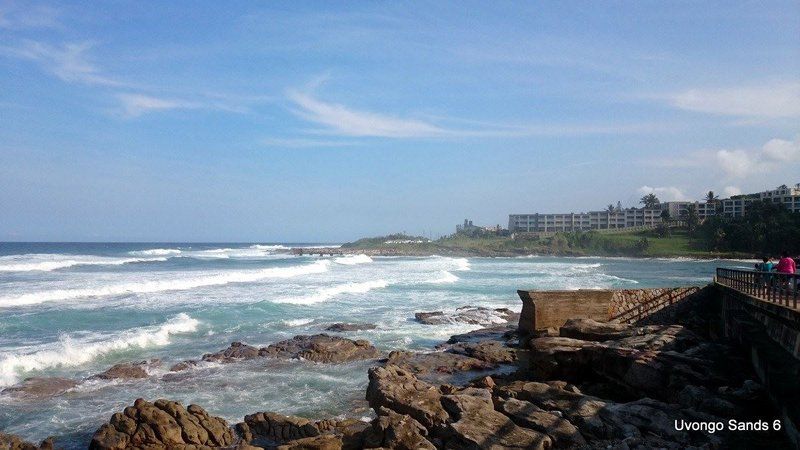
{"x": 786, "y": 264}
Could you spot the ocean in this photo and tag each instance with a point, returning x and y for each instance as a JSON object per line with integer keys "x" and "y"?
{"x": 74, "y": 309}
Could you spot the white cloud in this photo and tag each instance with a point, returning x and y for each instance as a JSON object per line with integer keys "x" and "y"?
{"x": 730, "y": 191}
{"x": 350, "y": 122}
{"x": 304, "y": 143}
{"x": 741, "y": 163}
{"x": 135, "y": 105}
{"x": 68, "y": 62}
{"x": 782, "y": 150}
{"x": 665, "y": 194}
{"x": 771, "y": 101}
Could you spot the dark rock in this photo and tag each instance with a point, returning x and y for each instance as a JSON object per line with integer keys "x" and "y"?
{"x": 476, "y": 425}
{"x": 236, "y": 352}
{"x": 528, "y": 415}
{"x": 490, "y": 351}
{"x": 162, "y": 424}
{"x": 439, "y": 362}
{"x": 396, "y": 389}
{"x": 321, "y": 442}
{"x": 344, "y": 327}
{"x": 470, "y": 315}
{"x": 322, "y": 348}
{"x": 184, "y": 365}
{"x": 396, "y": 431}
{"x": 275, "y": 428}
{"x": 12, "y": 442}
{"x": 501, "y": 333}
{"x": 592, "y": 330}
{"x": 128, "y": 371}
{"x": 41, "y": 387}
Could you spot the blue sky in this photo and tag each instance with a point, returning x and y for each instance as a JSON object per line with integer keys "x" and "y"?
{"x": 328, "y": 121}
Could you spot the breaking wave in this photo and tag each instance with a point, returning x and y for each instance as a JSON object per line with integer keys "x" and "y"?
{"x": 352, "y": 260}
{"x": 48, "y": 262}
{"x": 166, "y": 285}
{"x": 446, "y": 277}
{"x": 325, "y": 294}
{"x": 74, "y": 352}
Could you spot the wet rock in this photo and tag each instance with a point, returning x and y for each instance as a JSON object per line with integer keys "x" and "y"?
{"x": 41, "y": 387}
{"x": 128, "y": 371}
{"x": 270, "y": 427}
{"x": 13, "y": 442}
{"x": 236, "y": 352}
{"x": 528, "y": 415}
{"x": 162, "y": 424}
{"x": 470, "y": 315}
{"x": 489, "y": 351}
{"x": 476, "y": 425}
{"x": 396, "y": 431}
{"x": 322, "y": 348}
{"x": 500, "y": 333}
{"x": 184, "y": 365}
{"x": 399, "y": 390}
{"x": 344, "y": 327}
{"x": 436, "y": 362}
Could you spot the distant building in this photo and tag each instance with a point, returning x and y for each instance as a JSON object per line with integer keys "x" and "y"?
{"x": 679, "y": 210}
{"x": 593, "y": 220}
{"x": 468, "y": 228}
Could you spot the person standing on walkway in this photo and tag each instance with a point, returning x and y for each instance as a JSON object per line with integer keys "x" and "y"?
{"x": 786, "y": 267}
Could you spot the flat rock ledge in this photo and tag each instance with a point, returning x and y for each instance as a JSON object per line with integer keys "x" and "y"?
{"x": 41, "y": 387}
{"x": 345, "y": 327}
{"x": 470, "y": 315}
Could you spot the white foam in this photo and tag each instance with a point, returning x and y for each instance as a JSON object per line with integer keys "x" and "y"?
{"x": 352, "y": 260}
{"x": 70, "y": 352}
{"x": 179, "y": 284}
{"x": 325, "y": 294}
{"x": 50, "y": 262}
{"x": 462, "y": 264}
{"x": 270, "y": 248}
{"x": 157, "y": 252}
{"x": 446, "y": 277}
{"x": 296, "y": 322}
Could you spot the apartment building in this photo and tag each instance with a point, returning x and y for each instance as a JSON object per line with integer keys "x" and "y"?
{"x": 678, "y": 210}
{"x": 592, "y": 220}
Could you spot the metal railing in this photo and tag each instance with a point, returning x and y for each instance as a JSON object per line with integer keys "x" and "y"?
{"x": 775, "y": 287}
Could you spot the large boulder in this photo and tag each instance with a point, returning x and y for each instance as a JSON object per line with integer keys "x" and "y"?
{"x": 399, "y": 390}
{"x": 476, "y": 425}
{"x": 13, "y": 442}
{"x": 322, "y": 348}
{"x": 162, "y": 424}
{"x": 41, "y": 387}
{"x": 491, "y": 352}
{"x": 321, "y": 442}
{"x": 500, "y": 333}
{"x": 128, "y": 371}
{"x": 236, "y": 352}
{"x": 396, "y": 431}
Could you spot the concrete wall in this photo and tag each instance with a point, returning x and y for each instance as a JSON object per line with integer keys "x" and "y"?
{"x": 550, "y": 309}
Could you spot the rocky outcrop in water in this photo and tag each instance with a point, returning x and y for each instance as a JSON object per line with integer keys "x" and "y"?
{"x": 127, "y": 371}
{"x": 469, "y": 315}
{"x": 162, "y": 424}
{"x": 41, "y": 387}
{"x": 345, "y": 327}
{"x": 436, "y": 362}
{"x": 322, "y": 348}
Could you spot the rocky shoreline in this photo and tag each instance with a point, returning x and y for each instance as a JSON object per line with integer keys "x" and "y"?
{"x": 587, "y": 385}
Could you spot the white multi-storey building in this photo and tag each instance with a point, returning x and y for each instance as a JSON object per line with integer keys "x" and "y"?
{"x": 593, "y": 220}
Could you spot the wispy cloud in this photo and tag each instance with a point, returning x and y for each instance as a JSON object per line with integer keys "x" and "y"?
{"x": 14, "y": 16}
{"x": 342, "y": 120}
{"x": 740, "y": 163}
{"x": 134, "y": 105}
{"x": 69, "y": 61}
{"x": 351, "y": 122}
{"x": 775, "y": 100}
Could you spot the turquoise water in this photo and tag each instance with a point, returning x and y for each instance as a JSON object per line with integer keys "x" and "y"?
{"x": 73, "y": 310}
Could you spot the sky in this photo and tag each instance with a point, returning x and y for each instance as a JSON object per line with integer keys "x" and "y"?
{"x": 328, "y": 121}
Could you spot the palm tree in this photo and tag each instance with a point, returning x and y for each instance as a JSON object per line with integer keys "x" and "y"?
{"x": 650, "y": 201}
{"x": 610, "y": 208}
{"x": 711, "y": 198}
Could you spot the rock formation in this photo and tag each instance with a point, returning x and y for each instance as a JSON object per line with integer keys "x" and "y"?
{"x": 470, "y": 315}
{"x": 344, "y": 327}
